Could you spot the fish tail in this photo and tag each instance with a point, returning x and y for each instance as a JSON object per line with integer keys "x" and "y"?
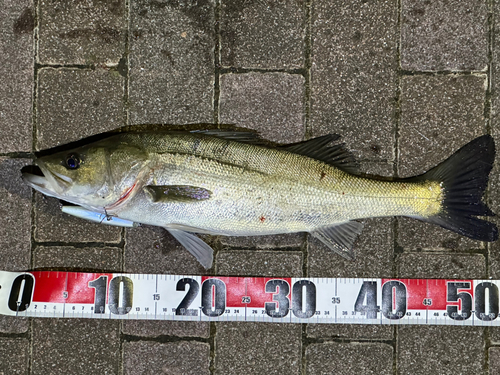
{"x": 463, "y": 178}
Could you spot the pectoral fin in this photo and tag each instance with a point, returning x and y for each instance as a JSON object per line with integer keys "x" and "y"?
{"x": 340, "y": 238}
{"x": 199, "y": 249}
{"x": 177, "y": 193}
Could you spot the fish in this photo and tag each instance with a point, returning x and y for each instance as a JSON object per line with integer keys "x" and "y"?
{"x": 230, "y": 183}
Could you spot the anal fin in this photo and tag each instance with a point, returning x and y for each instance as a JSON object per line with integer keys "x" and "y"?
{"x": 340, "y": 238}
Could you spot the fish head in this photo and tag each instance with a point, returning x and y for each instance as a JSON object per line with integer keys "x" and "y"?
{"x": 96, "y": 176}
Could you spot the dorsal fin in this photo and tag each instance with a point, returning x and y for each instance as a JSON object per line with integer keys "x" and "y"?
{"x": 245, "y": 136}
{"x": 317, "y": 148}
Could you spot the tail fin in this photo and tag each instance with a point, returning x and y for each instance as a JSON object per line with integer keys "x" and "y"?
{"x": 464, "y": 177}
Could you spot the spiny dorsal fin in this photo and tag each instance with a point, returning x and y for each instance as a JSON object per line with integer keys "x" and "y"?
{"x": 245, "y": 136}
{"x": 317, "y": 148}
{"x": 340, "y": 238}
{"x": 177, "y": 193}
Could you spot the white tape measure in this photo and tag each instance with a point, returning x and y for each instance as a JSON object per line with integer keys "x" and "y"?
{"x": 52, "y": 294}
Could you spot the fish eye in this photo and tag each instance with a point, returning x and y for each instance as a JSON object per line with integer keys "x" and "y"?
{"x": 72, "y": 161}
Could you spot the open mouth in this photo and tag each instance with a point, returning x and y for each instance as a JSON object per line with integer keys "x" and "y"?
{"x": 39, "y": 178}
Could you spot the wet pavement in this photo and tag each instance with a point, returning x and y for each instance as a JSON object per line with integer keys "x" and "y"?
{"x": 406, "y": 83}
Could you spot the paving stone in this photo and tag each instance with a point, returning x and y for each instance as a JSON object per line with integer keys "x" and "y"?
{"x": 77, "y": 103}
{"x": 439, "y": 114}
{"x": 15, "y": 229}
{"x": 171, "y": 62}
{"x": 166, "y": 358}
{"x": 151, "y": 249}
{"x": 354, "y": 74}
{"x": 373, "y": 251}
{"x": 494, "y": 360}
{"x": 16, "y": 74}
{"x": 15, "y": 211}
{"x": 14, "y": 351}
{"x": 91, "y": 259}
{"x": 349, "y": 331}
{"x": 349, "y": 358}
{"x": 81, "y": 32}
{"x": 259, "y": 263}
{"x": 76, "y": 346}
{"x": 52, "y": 225}
{"x": 147, "y": 328}
{"x": 444, "y": 35}
{"x": 262, "y": 34}
{"x": 436, "y": 265}
{"x": 275, "y": 241}
{"x": 241, "y": 348}
{"x": 271, "y": 103}
{"x": 440, "y": 350}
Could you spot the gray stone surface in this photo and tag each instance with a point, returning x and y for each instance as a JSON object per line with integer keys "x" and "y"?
{"x": 171, "y": 62}
{"x": 180, "y": 357}
{"x": 81, "y": 32}
{"x": 153, "y": 250}
{"x": 16, "y": 74}
{"x": 271, "y": 103}
{"x": 436, "y": 265}
{"x": 77, "y": 103}
{"x": 262, "y": 34}
{"x": 373, "y": 251}
{"x": 15, "y": 356}
{"x": 350, "y": 331}
{"x": 444, "y": 35}
{"x": 353, "y": 74}
{"x": 146, "y": 328}
{"x": 259, "y": 263}
{"x": 15, "y": 211}
{"x": 349, "y": 358}
{"x": 76, "y": 346}
{"x": 52, "y": 225}
{"x": 494, "y": 361}
{"x": 276, "y": 241}
{"x": 257, "y": 348}
{"x": 440, "y": 350}
{"x": 439, "y": 114}
{"x": 90, "y": 259}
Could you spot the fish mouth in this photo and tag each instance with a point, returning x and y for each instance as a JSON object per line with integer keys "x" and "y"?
{"x": 49, "y": 183}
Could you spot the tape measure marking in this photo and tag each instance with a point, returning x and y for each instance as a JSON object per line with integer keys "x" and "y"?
{"x": 255, "y": 299}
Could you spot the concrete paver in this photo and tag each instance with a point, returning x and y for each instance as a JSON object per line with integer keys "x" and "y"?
{"x": 438, "y": 35}
{"x": 86, "y": 32}
{"x": 180, "y": 357}
{"x": 16, "y": 74}
{"x": 15, "y": 355}
{"x": 262, "y": 34}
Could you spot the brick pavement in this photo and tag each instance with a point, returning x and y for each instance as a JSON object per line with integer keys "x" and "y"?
{"x": 405, "y": 82}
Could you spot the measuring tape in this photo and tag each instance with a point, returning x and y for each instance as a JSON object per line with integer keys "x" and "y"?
{"x": 52, "y": 294}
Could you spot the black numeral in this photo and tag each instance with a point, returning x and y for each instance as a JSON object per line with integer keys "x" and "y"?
{"x": 217, "y": 305}
{"x": 299, "y": 308}
{"x": 19, "y": 300}
{"x": 124, "y": 305}
{"x": 281, "y": 290}
{"x": 395, "y": 289}
{"x": 368, "y": 291}
{"x": 194, "y": 288}
{"x": 100, "y": 285}
{"x": 481, "y": 302}
{"x": 454, "y": 296}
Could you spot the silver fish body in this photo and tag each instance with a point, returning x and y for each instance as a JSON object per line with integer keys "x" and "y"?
{"x": 209, "y": 182}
